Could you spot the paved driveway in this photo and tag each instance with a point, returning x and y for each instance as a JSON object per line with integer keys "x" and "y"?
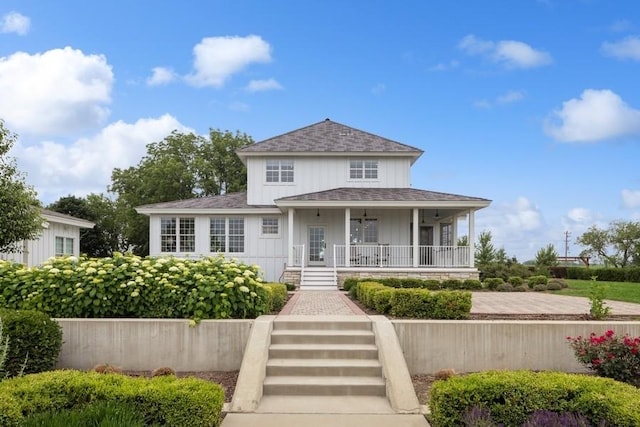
{"x": 541, "y": 303}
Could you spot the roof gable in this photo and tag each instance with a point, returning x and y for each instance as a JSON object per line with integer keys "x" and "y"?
{"x": 329, "y": 137}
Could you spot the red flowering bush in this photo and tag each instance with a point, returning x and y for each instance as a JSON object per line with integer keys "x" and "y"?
{"x": 610, "y": 355}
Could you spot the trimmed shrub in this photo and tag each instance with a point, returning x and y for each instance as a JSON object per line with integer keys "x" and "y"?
{"x": 349, "y": 283}
{"x": 34, "y": 338}
{"x": 161, "y": 400}
{"x": 580, "y": 273}
{"x": 453, "y": 284}
{"x": 520, "y": 288}
{"x": 366, "y": 292}
{"x": 540, "y": 288}
{"x": 493, "y": 282}
{"x": 516, "y": 280}
{"x": 277, "y": 295}
{"x": 504, "y": 287}
{"x": 410, "y": 303}
{"x": 537, "y": 280}
{"x": 472, "y": 284}
{"x": 424, "y": 304}
{"x": 382, "y": 300}
{"x": 559, "y": 282}
{"x": 511, "y": 397}
{"x": 103, "y": 414}
{"x": 554, "y": 286}
{"x": 431, "y": 284}
{"x": 558, "y": 271}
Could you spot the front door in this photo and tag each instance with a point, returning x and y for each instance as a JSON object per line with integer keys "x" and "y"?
{"x": 317, "y": 245}
{"x": 426, "y": 245}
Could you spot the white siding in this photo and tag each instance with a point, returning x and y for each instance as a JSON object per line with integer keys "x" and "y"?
{"x": 320, "y": 173}
{"x": 43, "y": 248}
{"x": 270, "y": 253}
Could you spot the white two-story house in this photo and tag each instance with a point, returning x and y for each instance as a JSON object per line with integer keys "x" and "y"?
{"x": 324, "y": 203}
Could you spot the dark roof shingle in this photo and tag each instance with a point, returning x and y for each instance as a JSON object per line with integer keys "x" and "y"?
{"x": 225, "y": 201}
{"x": 329, "y": 136}
{"x": 346, "y": 194}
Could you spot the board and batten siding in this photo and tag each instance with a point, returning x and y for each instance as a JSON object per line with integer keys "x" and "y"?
{"x": 319, "y": 174}
{"x": 270, "y": 253}
{"x": 44, "y": 247}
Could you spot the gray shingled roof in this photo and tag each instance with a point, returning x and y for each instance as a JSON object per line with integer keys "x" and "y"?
{"x": 329, "y": 136}
{"x": 225, "y": 201}
{"x": 346, "y": 194}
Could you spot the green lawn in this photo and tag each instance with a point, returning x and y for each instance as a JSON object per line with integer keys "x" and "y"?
{"x": 616, "y": 291}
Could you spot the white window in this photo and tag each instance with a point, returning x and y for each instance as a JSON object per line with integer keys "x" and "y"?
{"x": 270, "y": 227}
{"x": 279, "y": 171}
{"x": 171, "y": 234}
{"x": 364, "y": 230}
{"x": 64, "y": 246}
{"x": 226, "y": 235}
{"x": 363, "y": 169}
{"x": 446, "y": 235}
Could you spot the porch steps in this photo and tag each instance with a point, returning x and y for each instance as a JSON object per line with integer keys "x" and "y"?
{"x": 323, "y": 359}
{"x": 319, "y": 279}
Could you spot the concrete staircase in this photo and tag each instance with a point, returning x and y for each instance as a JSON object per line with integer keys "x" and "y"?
{"x": 319, "y": 279}
{"x": 319, "y": 358}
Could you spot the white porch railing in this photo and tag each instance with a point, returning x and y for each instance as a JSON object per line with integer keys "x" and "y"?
{"x": 400, "y": 256}
{"x": 298, "y": 256}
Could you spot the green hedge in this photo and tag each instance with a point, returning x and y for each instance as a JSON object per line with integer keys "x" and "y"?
{"x": 411, "y": 283}
{"x": 512, "y": 396}
{"x": 627, "y": 274}
{"x": 131, "y": 286}
{"x": 414, "y": 303}
{"x": 167, "y": 400}
{"x": 34, "y": 341}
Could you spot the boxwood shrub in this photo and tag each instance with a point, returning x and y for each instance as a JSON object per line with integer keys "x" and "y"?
{"x": 425, "y": 304}
{"x": 510, "y": 397}
{"x": 537, "y": 280}
{"x": 166, "y": 400}
{"x": 472, "y": 284}
{"x": 35, "y": 341}
{"x": 492, "y": 283}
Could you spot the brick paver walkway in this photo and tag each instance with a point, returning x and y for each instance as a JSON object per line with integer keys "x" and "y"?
{"x": 322, "y": 303}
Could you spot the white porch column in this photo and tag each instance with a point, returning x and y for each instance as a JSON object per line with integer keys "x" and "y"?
{"x": 347, "y": 236}
{"x": 454, "y": 231}
{"x": 416, "y": 237}
{"x": 471, "y": 239}
{"x": 290, "y": 236}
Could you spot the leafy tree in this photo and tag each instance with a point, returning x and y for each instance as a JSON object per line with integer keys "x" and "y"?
{"x": 103, "y": 239}
{"x": 617, "y": 246}
{"x": 182, "y": 166}
{"x": 19, "y": 206}
{"x": 501, "y": 256}
{"x": 463, "y": 241}
{"x": 546, "y": 257}
{"x": 485, "y": 252}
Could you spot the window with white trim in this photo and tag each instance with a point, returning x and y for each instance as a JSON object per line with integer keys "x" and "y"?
{"x": 446, "y": 235}
{"x": 363, "y": 169}
{"x": 270, "y": 227}
{"x": 64, "y": 246}
{"x": 226, "y": 235}
{"x": 364, "y": 230}
{"x": 279, "y": 171}
{"x": 177, "y": 234}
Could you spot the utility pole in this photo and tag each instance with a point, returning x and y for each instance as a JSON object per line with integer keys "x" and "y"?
{"x": 566, "y": 243}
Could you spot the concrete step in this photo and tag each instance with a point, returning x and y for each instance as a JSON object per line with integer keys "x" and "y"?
{"x": 324, "y": 386}
{"x": 322, "y": 337}
{"x": 324, "y": 367}
{"x": 325, "y": 405}
{"x": 319, "y": 351}
{"x": 334, "y": 323}
{"x": 318, "y": 287}
{"x": 333, "y": 420}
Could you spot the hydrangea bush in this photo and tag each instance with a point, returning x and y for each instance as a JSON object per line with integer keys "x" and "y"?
{"x": 132, "y": 286}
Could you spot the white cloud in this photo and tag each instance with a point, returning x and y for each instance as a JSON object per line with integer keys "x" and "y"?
{"x": 379, "y": 89}
{"x": 631, "y": 198}
{"x": 217, "y": 58}
{"x": 55, "y": 92}
{"x": 510, "y": 97}
{"x": 14, "y": 22}
{"x": 85, "y": 166}
{"x": 580, "y": 216}
{"x": 263, "y": 85}
{"x": 515, "y": 226}
{"x": 628, "y": 48}
{"x": 442, "y": 66}
{"x": 597, "y": 115}
{"x": 161, "y": 76}
{"x": 506, "y": 98}
{"x": 239, "y": 106}
{"x": 509, "y": 53}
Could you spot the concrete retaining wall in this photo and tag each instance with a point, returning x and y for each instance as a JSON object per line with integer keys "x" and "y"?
{"x": 428, "y": 345}
{"x": 147, "y": 344}
{"x": 471, "y": 346}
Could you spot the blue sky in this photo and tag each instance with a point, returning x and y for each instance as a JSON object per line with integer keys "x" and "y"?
{"x": 532, "y": 104}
